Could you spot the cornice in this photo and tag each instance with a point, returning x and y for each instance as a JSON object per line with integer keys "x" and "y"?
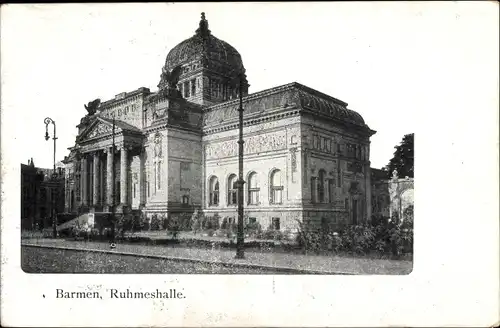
{"x": 234, "y": 124}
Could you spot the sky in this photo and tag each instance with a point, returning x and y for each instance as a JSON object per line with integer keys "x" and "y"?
{"x": 387, "y": 61}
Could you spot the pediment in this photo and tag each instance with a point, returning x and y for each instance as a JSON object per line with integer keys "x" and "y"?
{"x": 98, "y": 128}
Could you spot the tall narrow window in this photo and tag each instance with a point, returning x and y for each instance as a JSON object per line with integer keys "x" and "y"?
{"x": 253, "y": 189}
{"x": 186, "y": 89}
{"x": 321, "y": 186}
{"x": 232, "y": 195}
{"x": 214, "y": 191}
{"x": 193, "y": 87}
{"x": 276, "y": 187}
{"x": 331, "y": 191}
{"x": 313, "y": 189}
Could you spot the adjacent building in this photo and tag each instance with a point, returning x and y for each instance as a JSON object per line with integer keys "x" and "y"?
{"x": 306, "y": 155}
{"x": 41, "y": 195}
{"x": 392, "y": 196}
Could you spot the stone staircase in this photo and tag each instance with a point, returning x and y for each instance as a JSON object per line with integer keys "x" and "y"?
{"x": 96, "y": 220}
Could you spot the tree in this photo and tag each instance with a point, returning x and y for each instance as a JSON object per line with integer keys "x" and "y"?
{"x": 402, "y": 161}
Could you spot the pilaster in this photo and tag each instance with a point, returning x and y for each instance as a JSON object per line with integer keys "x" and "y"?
{"x": 96, "y": 175}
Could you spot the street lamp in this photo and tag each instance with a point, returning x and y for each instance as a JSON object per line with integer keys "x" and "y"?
{"x": 48, "y": 121}
{"x": 113, "y": 209}
{"x": 240, "y": 237}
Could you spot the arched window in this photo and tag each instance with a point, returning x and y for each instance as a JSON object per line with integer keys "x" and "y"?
{"x": 253, "y": 189}
{"x": 321, "y": 186}
{"x": 214, "y": 191}
{"x": 276, "y": 187}
{"x": 232, "y": 194}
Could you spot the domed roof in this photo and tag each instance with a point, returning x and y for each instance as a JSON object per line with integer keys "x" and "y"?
{"x": 210, "y": 51}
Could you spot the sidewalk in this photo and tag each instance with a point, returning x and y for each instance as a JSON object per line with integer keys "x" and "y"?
{"x": 301, "y": 263}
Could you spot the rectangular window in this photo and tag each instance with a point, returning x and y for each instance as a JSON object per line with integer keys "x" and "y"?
{"x": 214, "y": 198}
{"x": 186, "y": 89}
{"x": 313, "y": 190}
{"x": 135, "y": 184}
{"x": 276, "y": 224}
{"x": 233, "y": 197}
{"x": 324, "y": 224}
{"x": 193, "y": 87}
{"x": 252, "y": 220}
{"x": 331, "y": 191}
{"x": 339, "y": 149}
{"x": 253, "y": 196}
{"x": 277, "y": 195}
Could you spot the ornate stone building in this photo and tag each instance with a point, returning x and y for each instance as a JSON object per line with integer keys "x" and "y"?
{"x": 306, "y": 156}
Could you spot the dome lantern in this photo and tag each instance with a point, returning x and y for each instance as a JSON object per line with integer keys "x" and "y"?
{"x": 203, "y": 30}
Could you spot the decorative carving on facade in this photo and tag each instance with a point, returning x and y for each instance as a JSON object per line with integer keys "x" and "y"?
{"x": 100, "y": 129}
{"x": 252, "y": 145}
{"x": 293, "y": 153}
{"x": 355, "y": 167}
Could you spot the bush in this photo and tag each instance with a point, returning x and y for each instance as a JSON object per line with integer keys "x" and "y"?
{"x": 380, "y": 236}
{"x": 155, "y": 223}
{"x": 253, "y": 228}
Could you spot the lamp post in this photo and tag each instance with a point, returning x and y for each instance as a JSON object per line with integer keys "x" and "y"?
{"x": 113, "y": 214}
{"x": 240, "y": 237}
{"x": 48, "y": 121}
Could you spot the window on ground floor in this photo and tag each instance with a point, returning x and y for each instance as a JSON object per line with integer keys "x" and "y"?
{"x": 232, "y": 195}
{"x": 214, "y": 191}
{"x": 253, "y": 189}
{"x": 275, "y": 224}
{"x": 276, "y": 187}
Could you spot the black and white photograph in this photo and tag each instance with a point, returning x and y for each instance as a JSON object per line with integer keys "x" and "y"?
{"x": 201, "y": 168}
{"x": 260, "y": 140}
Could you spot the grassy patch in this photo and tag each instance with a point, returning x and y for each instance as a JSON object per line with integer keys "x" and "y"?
{"x": 45, "y": 260}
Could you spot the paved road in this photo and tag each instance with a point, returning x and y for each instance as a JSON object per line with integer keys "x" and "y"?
{"x": 323, "y": 264}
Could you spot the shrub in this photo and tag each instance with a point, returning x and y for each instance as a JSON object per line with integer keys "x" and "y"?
{"x": 196, "y": 225}
{"x": 155, "y": 223}
{"x": 216, "y": 221}
{"x": 380, "y": 236}
{"x": 253, "y": 227}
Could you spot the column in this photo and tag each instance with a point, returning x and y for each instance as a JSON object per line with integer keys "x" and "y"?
{"x": 109, "y": 176}
{"x": 123, "y": 175}
{"x": 142, "y": 178}
{"x": 84, "y": 175}
{"x": 95, "y": 185}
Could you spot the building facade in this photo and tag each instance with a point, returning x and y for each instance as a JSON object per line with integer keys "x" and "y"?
{"x": 41, "y": 195}
{"x": 306, "y": 156}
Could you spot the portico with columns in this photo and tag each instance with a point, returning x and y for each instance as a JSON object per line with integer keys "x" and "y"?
{"x": 100, "y": 189}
